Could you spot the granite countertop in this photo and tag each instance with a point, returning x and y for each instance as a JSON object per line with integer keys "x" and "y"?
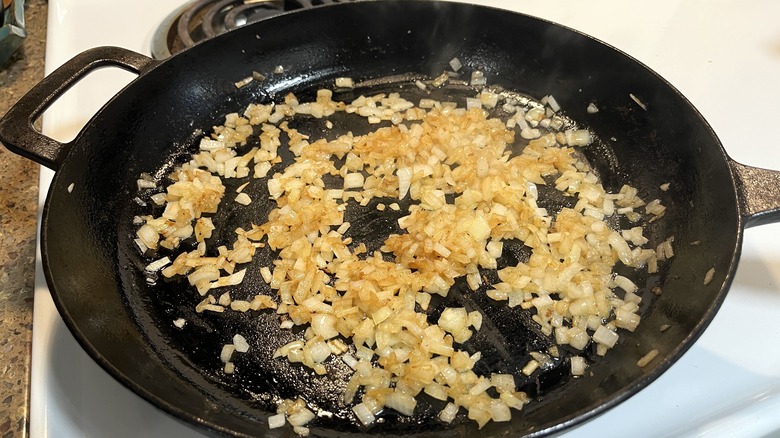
{"x": 18, "y": 224}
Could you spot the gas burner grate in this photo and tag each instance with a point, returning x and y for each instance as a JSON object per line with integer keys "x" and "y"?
{"x": 198, "y": 20}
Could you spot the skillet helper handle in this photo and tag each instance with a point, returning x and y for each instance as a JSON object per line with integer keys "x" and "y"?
{"x": 17, "y": 131}
{"x": 759, "y": 193}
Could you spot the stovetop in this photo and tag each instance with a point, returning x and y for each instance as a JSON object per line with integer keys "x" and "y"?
{"x": 724, "y": 56}
{"x": 197, "y": 20}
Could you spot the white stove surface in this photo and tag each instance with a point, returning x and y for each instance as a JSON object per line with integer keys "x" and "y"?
{"x": 724, "y": 55}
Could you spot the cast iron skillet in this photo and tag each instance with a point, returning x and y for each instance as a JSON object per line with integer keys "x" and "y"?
{"x": 95, "y": 272}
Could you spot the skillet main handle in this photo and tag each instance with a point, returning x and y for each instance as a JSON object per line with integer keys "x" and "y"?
{"x": 17, "y": 131}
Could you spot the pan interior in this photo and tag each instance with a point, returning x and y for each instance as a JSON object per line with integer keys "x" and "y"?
{"x": 124, "y": 321}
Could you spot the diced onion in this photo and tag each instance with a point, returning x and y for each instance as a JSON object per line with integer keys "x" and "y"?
{"x": 244, "y": 81}
{"x": 477, "y": 78}
{"x": 499, "y": 411}
{"x": 349, "y": 360}
{"x": 553, "y": 104}
{"x": 578, "y": 365}
{"x": 226, "y": 353}
{"x": 241, "y": 345}
{"x": 449, "y": 412}
{"x": 480, "y": 387}
{"x": 144, "y": 184}
{"x": 301, "y": 417}
{"x": 403, "y": 403}
{"x": 158, "y": 264}
{"x": 324, "y": 325}
{"x": 404, "y": 181}
{"x": 455, "y": 64}
{"x": 453, "y": 319}
{"x": 344, "y": 83}
{"x": 709, "y": 276}
{"x": 473, "y": 103}
{"x": 148, "y": 236}
{"x": 605, "y": 336}
{"x": 243, "y": 199}
{"x": 276, "y": 421}
{"x": 503, "y": 382}
{"x": 353, "y": 181}
{"x": 363, "y": 414}
{"x": 647, "y": 358}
